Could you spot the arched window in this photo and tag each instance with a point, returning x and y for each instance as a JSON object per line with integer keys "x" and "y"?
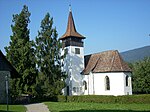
{"x": 127, "y": 80}
{"x": 85, "y": 85}
{"x": 107, "y": 83}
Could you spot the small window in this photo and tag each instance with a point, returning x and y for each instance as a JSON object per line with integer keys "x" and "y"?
{"x": 66, "y": 51}
{"x": 78, "y": 89}
{"x": 127, "y": 80}
{"x": 74, "y": 89}
{"x": 77, "y": 51}
{"x": 107, "y": 83}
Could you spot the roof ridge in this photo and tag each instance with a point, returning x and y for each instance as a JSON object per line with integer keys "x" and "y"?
{"x": 120, "y": 61}
{"x": 96, "y": 64}
{"x": 113, "y": 59}
{"x": 100, "y": 52}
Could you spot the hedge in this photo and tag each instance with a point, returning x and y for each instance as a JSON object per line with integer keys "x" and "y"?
{"x": 128, "y": 99}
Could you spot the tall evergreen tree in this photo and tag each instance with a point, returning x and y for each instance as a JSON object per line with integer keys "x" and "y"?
{"x": 48, "y": 57}
{"x": 21, "y": 53}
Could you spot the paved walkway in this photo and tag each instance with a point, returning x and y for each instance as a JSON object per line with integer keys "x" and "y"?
{"x": 37, "y": 107}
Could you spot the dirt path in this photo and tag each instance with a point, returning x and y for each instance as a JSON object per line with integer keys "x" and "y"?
{"x": 37, "y": 107}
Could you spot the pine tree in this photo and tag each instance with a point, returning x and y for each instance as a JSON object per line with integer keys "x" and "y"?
{"x": 48, "y": 57}
{"x": 21, "y": 53}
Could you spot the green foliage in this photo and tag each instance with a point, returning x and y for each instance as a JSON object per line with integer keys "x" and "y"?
{"x": 21, "y": 54}
{"x": 141, "y": 76}
{"x": 127, "y": 99}
{"x": 49, "y": 81}
{"x": 38, "y": 63}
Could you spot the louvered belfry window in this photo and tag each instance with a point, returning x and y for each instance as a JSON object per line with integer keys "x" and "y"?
{"x": 77, "y": 50}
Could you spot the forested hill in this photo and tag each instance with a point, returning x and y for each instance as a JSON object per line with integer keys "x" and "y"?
{"x": 136, "y": 54}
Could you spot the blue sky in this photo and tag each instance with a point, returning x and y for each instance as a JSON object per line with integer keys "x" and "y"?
{"x": 107, "y": 24}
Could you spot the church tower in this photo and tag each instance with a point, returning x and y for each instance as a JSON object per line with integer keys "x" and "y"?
{"x": 73, "y": 47}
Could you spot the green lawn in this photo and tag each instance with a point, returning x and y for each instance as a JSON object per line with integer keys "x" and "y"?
{"x": 13, "y": 108}
{"x": 96, "y": 107}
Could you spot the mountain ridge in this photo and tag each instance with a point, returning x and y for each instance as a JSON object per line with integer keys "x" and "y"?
{"x": 136, "y": 54}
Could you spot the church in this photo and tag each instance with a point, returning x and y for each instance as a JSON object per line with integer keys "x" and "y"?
{"x": 103, "y": 73}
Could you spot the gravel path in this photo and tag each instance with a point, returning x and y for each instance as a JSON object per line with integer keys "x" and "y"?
{"x": 37, "y": 107}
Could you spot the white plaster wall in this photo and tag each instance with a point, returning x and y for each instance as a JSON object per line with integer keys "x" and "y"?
{"x": 74, "y": 65}
{"x": 90, "y": 84}
{"x": 77, "y": 68}
{"x": 116, "y": 84}
{"x": 67, "y": 68}
{"x": 96, "y": 84}
{"x": 128, "y": 89}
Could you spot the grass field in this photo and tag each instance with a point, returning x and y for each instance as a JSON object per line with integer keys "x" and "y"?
{"x": 12, "y": 108}
{"x": 96, "y": 107}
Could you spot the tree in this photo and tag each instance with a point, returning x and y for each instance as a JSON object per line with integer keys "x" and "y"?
{"x": 21, "y": 53}
{"x": 141, "y": 76}
{"x": 49, "y": 82}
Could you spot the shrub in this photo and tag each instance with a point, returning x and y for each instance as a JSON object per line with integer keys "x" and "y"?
{"x": 61, "y": 98}
{"x": 138, "y": 99}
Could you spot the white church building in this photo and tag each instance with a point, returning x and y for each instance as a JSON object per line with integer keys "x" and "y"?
{"x": 103, "y": 73}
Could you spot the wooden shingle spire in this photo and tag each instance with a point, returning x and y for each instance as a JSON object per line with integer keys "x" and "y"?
{"x": 71, "y": 29}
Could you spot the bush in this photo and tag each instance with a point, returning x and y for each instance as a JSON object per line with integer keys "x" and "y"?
{"x": 129, "y": 99}
{"x": 61, "y": 98}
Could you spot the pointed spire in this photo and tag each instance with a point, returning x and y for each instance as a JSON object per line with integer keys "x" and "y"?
{"x": 70, "y": 8}
{"x": 71, "y": 30}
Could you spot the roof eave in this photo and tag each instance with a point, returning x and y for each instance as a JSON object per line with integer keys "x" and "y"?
{"x": 106, "y": 72}
{"x": 65, "y": 37}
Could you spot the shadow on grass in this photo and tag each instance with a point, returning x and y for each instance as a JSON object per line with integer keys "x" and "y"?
{"x": 6, "y": 111}
{"x": 104, "y": 111}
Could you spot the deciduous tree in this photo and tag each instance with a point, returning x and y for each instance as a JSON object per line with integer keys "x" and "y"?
{"x": 141, "y": 76}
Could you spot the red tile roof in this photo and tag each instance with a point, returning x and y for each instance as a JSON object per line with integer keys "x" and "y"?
{"x": 71, "y": 30}
{"x": 108, "y": 61}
